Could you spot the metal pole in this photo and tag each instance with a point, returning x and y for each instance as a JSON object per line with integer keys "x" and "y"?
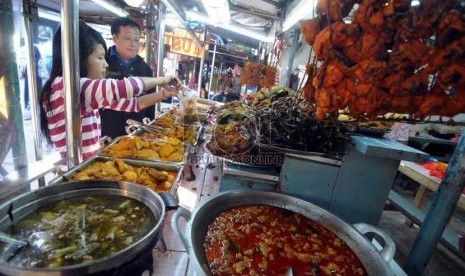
{"x": 161, "y": 45}
{"x": 9, "y": 82}
{"x": 438, "y": 215}
{"x": 213, "y": 68}
{"x": 148, "y": 46}
{"x": 199, "y": 81}
{"x": 219, "y": 72}
{"x": 33, "y": 88}
{"x": 71, "y": 79}
{"x": 291, "y": 57}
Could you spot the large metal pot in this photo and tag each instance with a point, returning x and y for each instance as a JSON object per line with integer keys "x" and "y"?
{"x": 17, "y": 208}
{"x": 375, "y": 262}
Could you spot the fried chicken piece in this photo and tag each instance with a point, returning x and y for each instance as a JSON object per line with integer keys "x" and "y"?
{"x": 310, "y": 28}
{"x": 337, "y": 35}
{"x": 431, "y": 104}
{"x": 332, "y": 74}
{"x": 370, "y": 69}
{"x": 447, "y": 55}
{"x": 415, "y": 51}
{"x": 452, "y": 75}
{"x": 336, "y": 9}
{"x": 416, "y": 83}
{"x": 455, "y": 104}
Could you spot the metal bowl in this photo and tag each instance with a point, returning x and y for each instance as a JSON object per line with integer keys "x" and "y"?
{"x": 18, "y": 207}
{"x": 375, "y": 262}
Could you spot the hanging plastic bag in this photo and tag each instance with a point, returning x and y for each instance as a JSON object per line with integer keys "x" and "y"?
{"x": 187, "y": 112}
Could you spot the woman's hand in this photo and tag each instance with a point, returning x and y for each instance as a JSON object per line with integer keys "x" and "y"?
{"x": 171, "y": 83}
{"x": 167, "y": 93}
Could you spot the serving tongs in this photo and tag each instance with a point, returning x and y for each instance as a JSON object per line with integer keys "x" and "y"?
{"x": 155, "y": 129}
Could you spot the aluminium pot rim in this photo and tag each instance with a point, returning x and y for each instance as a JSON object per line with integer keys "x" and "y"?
{"x": 199, "y": 219}
{"x": 30, "y": 201}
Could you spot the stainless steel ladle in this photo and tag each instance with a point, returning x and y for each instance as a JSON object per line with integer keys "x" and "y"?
{"x": 9, "y": 239}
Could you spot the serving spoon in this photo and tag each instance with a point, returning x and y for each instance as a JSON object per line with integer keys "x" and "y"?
{"x": 4, "y": 237}
{"x": 14, "y": 246}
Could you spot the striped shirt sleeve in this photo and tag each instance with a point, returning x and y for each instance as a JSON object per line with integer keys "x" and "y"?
{"x": 111, "y": 93}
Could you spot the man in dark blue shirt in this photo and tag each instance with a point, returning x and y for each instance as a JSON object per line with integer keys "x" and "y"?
{"x": 123, "y": 61}
{"x": 226, "y": 94}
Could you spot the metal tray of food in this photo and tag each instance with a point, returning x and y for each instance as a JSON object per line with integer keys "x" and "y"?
{"x": 182, "y": 162}
{"x": 169, "y": 167}
{"x": 198, "y": 127}
{"x": 141, "y": 131}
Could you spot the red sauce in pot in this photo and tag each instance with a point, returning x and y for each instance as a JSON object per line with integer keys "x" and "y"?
{"x": 265, "y": 240}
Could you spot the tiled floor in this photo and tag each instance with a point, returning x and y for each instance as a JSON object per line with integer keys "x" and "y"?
{"x": 190, "y": 194}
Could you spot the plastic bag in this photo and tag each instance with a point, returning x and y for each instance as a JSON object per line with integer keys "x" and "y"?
{"x": 187, "y": 112}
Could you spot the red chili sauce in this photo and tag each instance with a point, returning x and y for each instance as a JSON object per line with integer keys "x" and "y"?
{"x": 265, "y": 240}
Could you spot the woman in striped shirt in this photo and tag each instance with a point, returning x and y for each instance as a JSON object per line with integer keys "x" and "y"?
{"x": 95, "y": 92}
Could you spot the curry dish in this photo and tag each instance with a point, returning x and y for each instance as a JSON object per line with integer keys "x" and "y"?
{"x": 265, "y": 240}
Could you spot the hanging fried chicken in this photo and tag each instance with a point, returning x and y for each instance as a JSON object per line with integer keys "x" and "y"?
{"x": 379, "y": 56}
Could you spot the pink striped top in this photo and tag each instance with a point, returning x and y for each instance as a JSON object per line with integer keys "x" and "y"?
{"x": 108, "y": 93}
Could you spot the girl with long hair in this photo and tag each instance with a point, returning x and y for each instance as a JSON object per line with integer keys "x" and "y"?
{"x": 95, "y": 92}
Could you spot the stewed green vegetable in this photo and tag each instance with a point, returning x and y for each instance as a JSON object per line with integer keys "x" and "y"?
{"x": 79, "y": 230}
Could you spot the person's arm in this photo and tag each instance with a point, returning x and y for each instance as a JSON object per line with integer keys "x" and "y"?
{"x": 120, "y": 94}
{"x": 151, "y": 99}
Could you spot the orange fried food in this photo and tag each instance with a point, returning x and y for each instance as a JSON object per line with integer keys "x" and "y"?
{"x": 344, "y": 90}
{"x": 415, "y": 51}
{"x": 455, "y": 104}
{"x": 453, "y": 19}
{"x": 431, "y": 104}
{"x": 370, "y": 69}
{"x": 453, "y": 75}
{"x": 336, "y": 9}
{"x": 416, "y": 83}
{"x": 334, "y": 73}
{"x": 337, "y": 35}
{"x": 309, "y": 89}
{"x": 401, "y": 104}
{"x": 310, "y": 28}
{"x": 372, "y": 45}
{"x": 452, "y": 52}
{"x": 392, "y": 80}
{"x": 391, "y": 57}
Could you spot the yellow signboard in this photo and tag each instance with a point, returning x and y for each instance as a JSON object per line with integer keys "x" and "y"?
{"x": 181, "y": 42}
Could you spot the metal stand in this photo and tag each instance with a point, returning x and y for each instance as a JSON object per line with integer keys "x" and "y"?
{"x": 355, "y": 189}
{"x": 444, "y": 204}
